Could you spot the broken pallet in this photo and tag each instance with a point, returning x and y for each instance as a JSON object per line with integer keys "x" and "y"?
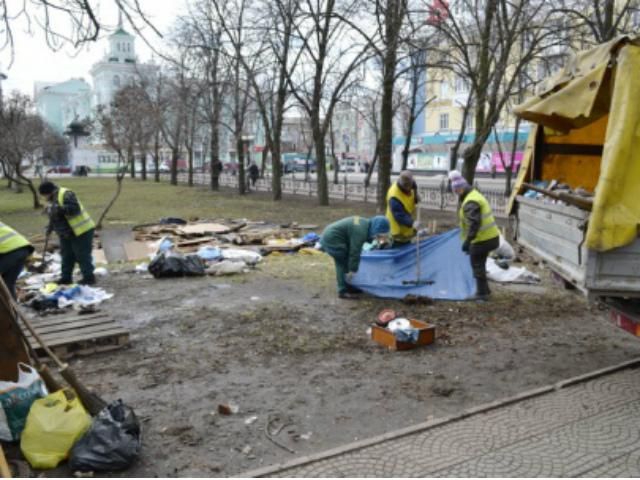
{"x": 70, "y": 336}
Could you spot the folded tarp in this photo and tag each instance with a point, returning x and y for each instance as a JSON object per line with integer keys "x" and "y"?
{"x": 442, "y": 261}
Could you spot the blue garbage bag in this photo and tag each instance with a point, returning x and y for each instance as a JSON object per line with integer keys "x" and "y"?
{"x": 442, "y": 261}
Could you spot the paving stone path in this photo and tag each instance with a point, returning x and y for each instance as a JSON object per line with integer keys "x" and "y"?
{"x": 589, "y": 429}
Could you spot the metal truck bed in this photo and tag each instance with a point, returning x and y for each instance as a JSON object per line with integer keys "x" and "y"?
{"x": 556, "y": 233}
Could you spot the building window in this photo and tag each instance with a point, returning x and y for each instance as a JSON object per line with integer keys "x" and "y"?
{"x": 116, "y": 81}
{"x": 461, "y": 85}
{"x": 444, "y": 121}
{"x": 444, "y": 89}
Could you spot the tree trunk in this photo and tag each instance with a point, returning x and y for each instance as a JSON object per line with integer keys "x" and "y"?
{"x": 367, "y": 180}
{"x": 144, "y": 165}
{"x": 175, "y": 153}
{"x": 156, "y": 159}
{"x": 190, "y": 160}
{"x": 334, "y": 161}
{"x": 119, "y": 178}
{"x": 321, "y": 166}
{"x": 132, "y": 162}
{"x": 265, "y": 157}
{"x": 242, "y": 186}
{"x": 215, "y": 165}
{"x": 276, "y": 171}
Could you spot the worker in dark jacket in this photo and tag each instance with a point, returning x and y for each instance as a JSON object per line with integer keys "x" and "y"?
{"x": 479, "y": 231}
{"x": 74, "y": 226}
{"x": 343, "y": 240}
{"x": 14, "y": 250}
{"x": 402, "y": 200}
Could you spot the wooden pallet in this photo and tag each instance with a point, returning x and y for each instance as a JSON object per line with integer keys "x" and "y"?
{"x": 69, "y": 336}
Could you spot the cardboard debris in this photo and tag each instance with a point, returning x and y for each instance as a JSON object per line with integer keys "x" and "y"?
{"x": 99, "y": 257}
{"x": 137, "y": 251}
{"x": 203, "y": 229}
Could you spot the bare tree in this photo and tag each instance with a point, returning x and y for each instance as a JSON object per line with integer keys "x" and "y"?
{"x": 598, "y": 21}
{"x": 24, "y": 137}
{"x": 64, "y": 22}
{"x": 481, "y": 43}
{"x": 330, "y": 66}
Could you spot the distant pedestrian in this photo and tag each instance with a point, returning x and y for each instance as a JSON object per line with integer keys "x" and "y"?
{"x": 493, "y": 170}
{"x": 254, "y": 173}
{"x": 75, "y": 228}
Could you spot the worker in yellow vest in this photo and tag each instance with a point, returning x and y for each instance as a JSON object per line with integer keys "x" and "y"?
{"x": 479, "y": 231}
{"x": 402, "y": 200}
{"x": 14, "y": 250}
{"x": 74, "y": 226}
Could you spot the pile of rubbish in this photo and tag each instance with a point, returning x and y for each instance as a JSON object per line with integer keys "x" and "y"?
{"x": 500, "y": 268}
{"x": 559, "y": 193}
{"x": 54, "y": 427}
{"x": 178, "y": 249}
{"x": 39, "y": 290}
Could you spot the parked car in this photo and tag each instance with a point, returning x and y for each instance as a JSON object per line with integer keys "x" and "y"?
{"x": 81, "y": 171}
{"x": 230, "y": 167}
{"x": 59, "y": 169}
{"x": 352, "y": 166}
{"x": 298, "y": 165}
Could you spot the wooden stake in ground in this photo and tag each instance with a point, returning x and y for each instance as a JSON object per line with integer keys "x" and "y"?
{"x": 12, "y": 350}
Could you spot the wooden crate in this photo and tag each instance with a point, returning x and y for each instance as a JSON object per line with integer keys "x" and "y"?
{"x": 68, "y": 336}
{"x": 386, "y": 337}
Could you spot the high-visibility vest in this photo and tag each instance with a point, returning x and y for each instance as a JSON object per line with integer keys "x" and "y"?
{"x": 82, "y": 222}
{"x": 11, "y": 240}
{"x": 400, "y": 232}
{"x": 488, "y": 227}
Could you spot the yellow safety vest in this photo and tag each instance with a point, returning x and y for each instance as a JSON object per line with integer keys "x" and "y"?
{"x": 488, "y": 227}
{"x": 82, "y": 222}
{"x": 11, "y": 240}
{"x": 401, "y": 233}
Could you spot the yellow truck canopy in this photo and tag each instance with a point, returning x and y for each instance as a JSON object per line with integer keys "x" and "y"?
{"x": 592, "y": 107}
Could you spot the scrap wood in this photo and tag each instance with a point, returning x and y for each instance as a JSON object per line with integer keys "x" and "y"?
{"x": 203, "y": 229}
{"x": 196, "y": 241}
{"x": 5, "y": 472}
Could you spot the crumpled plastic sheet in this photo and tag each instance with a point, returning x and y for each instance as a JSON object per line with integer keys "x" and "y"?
{"x": 388, "y": 273}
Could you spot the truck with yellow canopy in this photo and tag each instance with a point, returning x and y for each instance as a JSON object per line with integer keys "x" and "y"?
{"x": 586, "y": 137}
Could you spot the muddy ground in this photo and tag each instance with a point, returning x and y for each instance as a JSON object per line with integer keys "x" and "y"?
{"x": 280, "y": 345}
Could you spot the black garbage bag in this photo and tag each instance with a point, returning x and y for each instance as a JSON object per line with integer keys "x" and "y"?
{"x": 112, "y": 442}
{"x": 163, "y": 266}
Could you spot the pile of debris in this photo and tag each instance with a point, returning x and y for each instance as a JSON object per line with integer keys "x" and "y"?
{"x": 559, "y": 193}
{"x": 221, "y": 247}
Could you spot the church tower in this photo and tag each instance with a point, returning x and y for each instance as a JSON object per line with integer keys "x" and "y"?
{"x": 122, "y": 45}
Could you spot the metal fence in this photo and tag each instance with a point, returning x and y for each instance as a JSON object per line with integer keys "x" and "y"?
{"x": 431, "y": 197}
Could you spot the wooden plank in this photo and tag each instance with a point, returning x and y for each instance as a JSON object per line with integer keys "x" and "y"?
{"x": 71, "y": 326}
{"x": 99, "y": 257}
{"x": 57, "y": 338}
{"x": 203, "y": 229}
{"x": 59, "y": 319}
{"x": 56, "y": 342}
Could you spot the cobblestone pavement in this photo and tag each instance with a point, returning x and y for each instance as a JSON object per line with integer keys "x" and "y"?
{"x": 589, "y": 429}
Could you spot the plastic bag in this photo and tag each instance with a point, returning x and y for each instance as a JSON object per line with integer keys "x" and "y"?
{"x": 176, "y": 266}
{"x": 53, "y": 426}
{"x": 112, "y": 443}
{"x": 16, "y": 399}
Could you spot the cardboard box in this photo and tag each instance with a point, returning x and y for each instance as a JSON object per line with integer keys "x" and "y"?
{"x": 386, "y": 337}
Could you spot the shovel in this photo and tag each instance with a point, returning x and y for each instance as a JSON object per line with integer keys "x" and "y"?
{"x": 90, "y": 400}
{"x": 418, "y": 281}
{"x": 43, "y": 265}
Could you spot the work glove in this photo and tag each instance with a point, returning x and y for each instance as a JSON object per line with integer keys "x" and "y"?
{"x": 465, "y": 246}
{"x": 349, "y": 276}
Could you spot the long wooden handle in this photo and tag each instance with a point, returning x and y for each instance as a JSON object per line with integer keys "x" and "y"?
{"x": 584, "y": 203}
{"x": 12, "y": 305}
{"x": 5, "y": 471}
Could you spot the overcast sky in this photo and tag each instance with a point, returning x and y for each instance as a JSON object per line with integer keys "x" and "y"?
{"x": 34, "y": 61}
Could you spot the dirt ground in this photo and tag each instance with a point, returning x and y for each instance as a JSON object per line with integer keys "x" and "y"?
{"x": 298, "y": 363}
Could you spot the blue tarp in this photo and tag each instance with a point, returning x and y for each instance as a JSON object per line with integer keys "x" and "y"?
{"x": 442, "y": 261}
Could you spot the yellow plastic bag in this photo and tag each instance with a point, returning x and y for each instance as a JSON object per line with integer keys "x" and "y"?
{"x": 54, "y": 424}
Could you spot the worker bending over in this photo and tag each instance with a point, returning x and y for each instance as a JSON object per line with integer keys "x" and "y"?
{"x": 479, "y": 232}
{"x": 74, "y": 226}
{"x": 343, "y": 240}
{"x": 402, "y": 200}
{"x": 14, "y": 251}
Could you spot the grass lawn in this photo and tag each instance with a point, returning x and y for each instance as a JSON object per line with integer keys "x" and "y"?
{"x": 145, "y": 202}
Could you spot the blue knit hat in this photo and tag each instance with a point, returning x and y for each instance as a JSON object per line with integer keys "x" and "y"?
{"x": 378, "y": 225}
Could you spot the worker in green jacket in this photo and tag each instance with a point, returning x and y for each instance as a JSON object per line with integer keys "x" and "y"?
{"x": 479, "y": 231}
{"x": 343, "y": 240}
{"x": 74, "y": 226}
{"x": 14, "y": 250}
